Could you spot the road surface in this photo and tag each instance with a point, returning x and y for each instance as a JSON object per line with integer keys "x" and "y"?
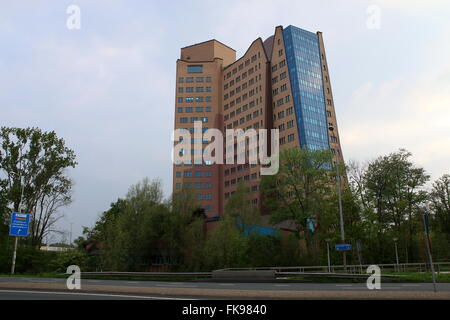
{"x": 124, "y": 289}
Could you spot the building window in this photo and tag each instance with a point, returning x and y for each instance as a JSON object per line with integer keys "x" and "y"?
{"x": 280, "y": 52}
{"x": 189, "y": 99}
{"x": 183, "y": 120}
{"x": 195, "y": 69}
{"x": 190, "y": 79}
{"x": 208, "y": 99}
{"x": 289, "y": 111}
{"x": 180, "y": 80}
{"x": 180, "y": 110}
{"x": 291, "y": 137}
{"x": 188, "y": 109}
{"x": 199, "y": 79}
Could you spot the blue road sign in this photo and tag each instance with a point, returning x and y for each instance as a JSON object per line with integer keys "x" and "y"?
{"x": 343, "y": 247}
{"x": 20, "y": 223}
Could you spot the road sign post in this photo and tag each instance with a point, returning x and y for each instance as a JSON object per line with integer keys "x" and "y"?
{"x": 428, "y": 246}
{"x": 19, "y": 227}
{"x": 343, "y": 247}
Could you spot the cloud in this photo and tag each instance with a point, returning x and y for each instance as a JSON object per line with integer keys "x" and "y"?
{"x": 401, "y": 113}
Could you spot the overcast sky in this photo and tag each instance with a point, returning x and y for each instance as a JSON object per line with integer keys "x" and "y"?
{"x": 108, "y": 88}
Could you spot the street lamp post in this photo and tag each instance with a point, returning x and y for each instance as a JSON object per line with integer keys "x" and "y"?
{"x": 341, "y": 216}
{"x": 328, "y": 255}
{"x": 396, "y": 253}
{"x": 13, "y": 264}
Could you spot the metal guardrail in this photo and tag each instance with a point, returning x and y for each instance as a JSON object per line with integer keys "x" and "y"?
{"x": 330, "y": 275}
{"x": 337, "y": 271}
{"x": 402, "y": 267}
{"x": 148, "y": 274}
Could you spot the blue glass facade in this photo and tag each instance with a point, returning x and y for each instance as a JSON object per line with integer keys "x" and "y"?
{"x": 305, "y": 72}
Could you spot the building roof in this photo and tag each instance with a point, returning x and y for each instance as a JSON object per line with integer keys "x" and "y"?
{"x": 192, "y": 45}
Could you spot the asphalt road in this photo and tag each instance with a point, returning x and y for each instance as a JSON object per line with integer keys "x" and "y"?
{"x": 240, "y": 286}
{"x": 54, "y": 295}
{"x": 124, "y": 289}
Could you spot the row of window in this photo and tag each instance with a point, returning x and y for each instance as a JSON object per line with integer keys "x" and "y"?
{"x": 336, "y": 151}
{"x": 241, "y": 66}
{"x": 197, "y": 174}
{"x": 235, "y": 124}
{"x": 195, "y": 69}
{"x": 288, "y": 125}
{"x": 206, "y": 196}
{"x": 192, "y": 130}
{"x": 192, "y": 109}
{"x": 188, "y": 163}
{"x": 284, "y": 113}
{"x": 247, "y": 118}
{"x": 280, "y": 65}
{"x": 282, "y": 76}
{"x": 191, "y": 89}
{"x": 197, "y": 185}
{"x": 282, "y": 101}
{"x": 290, "y": 138}
{"x": 235, "y": 181}
{"x": 192, "y": 79}
{"x": 243, "y": 76}
{"x": 229, "y": 194}
{"x": 239, "y": 168}
{"x": 243, "y": 87}
{"x": 193, "y": 119}
{"x": 192, "y": 99}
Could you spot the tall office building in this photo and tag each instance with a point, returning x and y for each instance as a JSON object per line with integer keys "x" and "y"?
{"x": 280, "y": 83}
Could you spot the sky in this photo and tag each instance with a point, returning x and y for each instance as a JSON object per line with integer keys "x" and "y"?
{"x": 108, "y": 88}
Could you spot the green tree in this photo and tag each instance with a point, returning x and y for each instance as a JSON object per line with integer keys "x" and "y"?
{"x": 225, "y": 246}
{"x": 440, "y": 203}
{"x": 394, "y": 186}
{"x": 34, "y": 165}
{"x": 301, "y": 190}
{"x": 239, "y": 207}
